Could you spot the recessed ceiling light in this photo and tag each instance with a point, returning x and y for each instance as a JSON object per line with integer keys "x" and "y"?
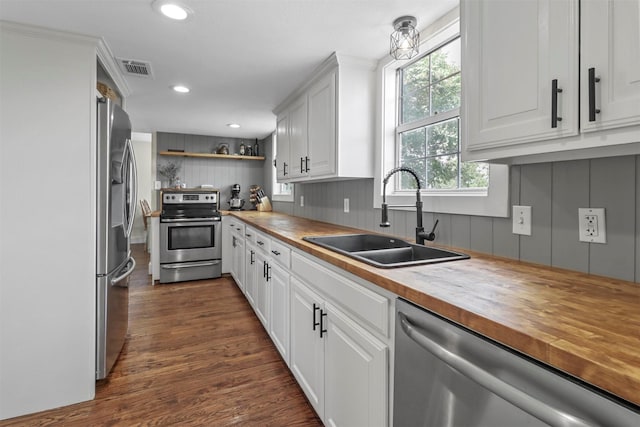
{"x": 181, "y": 89}
{"x": 233, "y": 125}
{"x": 173, "y": 9}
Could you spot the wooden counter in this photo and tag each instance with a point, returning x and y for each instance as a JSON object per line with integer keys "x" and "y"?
{"x": 585, "y": 325}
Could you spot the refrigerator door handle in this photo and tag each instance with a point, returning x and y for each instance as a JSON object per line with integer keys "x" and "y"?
{"x": 131, "y": 158}
{"x": 527, "y": 403}
{"x": 132, "y": 264}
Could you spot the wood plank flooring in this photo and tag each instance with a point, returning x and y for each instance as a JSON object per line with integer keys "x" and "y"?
{"x": 196, "y": 356}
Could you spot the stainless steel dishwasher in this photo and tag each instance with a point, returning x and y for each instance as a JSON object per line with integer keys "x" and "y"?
{"x": 448, "y": 376}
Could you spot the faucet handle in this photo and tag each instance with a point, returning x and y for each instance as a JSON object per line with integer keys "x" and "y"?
{"x": 432, "y": 234}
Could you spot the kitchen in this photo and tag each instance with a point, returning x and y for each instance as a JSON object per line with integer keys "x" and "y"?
{"x": 555, "y": 180}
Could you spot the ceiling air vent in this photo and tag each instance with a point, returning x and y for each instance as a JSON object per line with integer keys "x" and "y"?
{"x": 132, "y": 67}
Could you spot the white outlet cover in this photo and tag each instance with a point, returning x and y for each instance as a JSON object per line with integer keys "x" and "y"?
{"x": 591, "y": 225}
{"x": 346, "y": 205}
{"x": 522, "y": 220}
{"x": 301, "y": 201}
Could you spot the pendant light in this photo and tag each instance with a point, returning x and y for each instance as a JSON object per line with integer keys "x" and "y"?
{"x": 405, "y": 38}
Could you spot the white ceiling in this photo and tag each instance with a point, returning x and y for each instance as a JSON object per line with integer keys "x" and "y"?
{"x": 240, "y": 58}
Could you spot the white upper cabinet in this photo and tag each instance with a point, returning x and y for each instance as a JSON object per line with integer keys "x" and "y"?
{"x": 525, "y": 76}
{"x": 327, "y": 123}
{"x": 283, "y": 166}
{"x": 610, "y": 47}
{"x": 511, "y": 63}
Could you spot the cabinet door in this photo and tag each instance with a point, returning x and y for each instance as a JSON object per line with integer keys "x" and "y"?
{"x": 511, "y": 53}
{"x": 227, "y": 247}
{"x": 250, "y": 277}
{"x": 279, "y": 309}
{"x": 298, "y": 149}
{"x": 355, "y": 374}
{"x": 283, "y": 163}
{"x": 307, "y": 347}
{"x": 610, "y": 44}
{"x": 261, "y": 301}
{"x": 322, "y": 127}
{"x": 237, "y": 269}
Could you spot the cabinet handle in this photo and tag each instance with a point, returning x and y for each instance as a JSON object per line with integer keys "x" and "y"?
{"x": 233, "y": 241}
{"x": 306, "y": 164}
{"x": 284, "y": 169}
{"x": 592, "y": 94}
{"x": 301, "y": 164}
{"x": 276, "y": 253}
{"x": 248, "y": 235}
{"x": 268, "y": 271}
{"x": 260, "y": 242}
{"x": 555, "y": 90}
{"x": 252, "y": 259}
{"x": 322, "y": 329}
{"x": 315, "y": 323}
{"x": 264, "y": 269}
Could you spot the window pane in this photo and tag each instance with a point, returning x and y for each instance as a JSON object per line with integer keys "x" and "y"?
{"x": 474, "y": 175}
{"x": 443, "y": 138}
{"x": 442, "y": 172}
{"x": 415, "y": 105}
{"x": 415, "y": 91}
{"x": 412, "y": 145}
{"x": 445, "y": 61}
{"x": 445, "y": 95}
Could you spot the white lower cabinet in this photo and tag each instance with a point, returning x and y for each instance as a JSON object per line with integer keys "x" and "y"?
{"x": 342, "y": 368}
{"x": 261, "y": 299}
{"x": 279, "y": 309}
{"x": 333, "y": 333}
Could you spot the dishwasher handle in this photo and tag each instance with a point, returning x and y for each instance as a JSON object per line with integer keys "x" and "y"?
{"x": 517, "y": 397}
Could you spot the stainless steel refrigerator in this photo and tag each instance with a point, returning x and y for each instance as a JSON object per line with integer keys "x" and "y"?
{"x": 117, "y": 195}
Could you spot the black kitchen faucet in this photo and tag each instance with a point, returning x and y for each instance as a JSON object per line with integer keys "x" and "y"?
{"x": 421, "y": 235}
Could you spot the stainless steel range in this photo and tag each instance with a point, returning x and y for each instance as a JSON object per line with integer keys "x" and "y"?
{"x": 190, "y": 236}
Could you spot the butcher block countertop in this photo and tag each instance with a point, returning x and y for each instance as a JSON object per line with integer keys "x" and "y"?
{"x": 585, "y": 325}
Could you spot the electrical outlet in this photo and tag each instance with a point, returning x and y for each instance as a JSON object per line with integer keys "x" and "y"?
{"x": 158, "y": 185}
{"x": 346, "y": 205}
{"x": 301, "y": 201}
{"x": 591, "y": 225}
{"x": 522, "y": 220}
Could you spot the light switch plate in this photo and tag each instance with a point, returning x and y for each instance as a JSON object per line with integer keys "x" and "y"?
{"x": 157, "y": 185}
{"x": 522, "y": 220}
{"x": 591, "y": 225}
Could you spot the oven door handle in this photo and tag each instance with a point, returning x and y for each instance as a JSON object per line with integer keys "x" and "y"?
{"x": 515, "y": 396}
{"x": 178, "y": 265}
{"x": 190, "y": 220}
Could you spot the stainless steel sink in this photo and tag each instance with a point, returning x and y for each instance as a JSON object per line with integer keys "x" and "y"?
{"x": 383, "y": 251}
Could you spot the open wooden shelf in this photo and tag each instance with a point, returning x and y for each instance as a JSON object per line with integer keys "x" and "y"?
{"x": 210, "y": 156}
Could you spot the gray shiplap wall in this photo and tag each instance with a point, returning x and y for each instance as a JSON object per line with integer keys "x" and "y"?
{"x": 221, "y": 173}
{"x": 554, "y": 190}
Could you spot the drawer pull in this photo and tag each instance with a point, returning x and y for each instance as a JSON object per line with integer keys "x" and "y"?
{"x": 276, "y": 253}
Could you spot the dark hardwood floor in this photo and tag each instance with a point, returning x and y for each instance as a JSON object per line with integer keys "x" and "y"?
{"x": 196, "y": 355}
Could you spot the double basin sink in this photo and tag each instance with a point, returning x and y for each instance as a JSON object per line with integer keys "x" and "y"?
{"x": 384, "y": 251}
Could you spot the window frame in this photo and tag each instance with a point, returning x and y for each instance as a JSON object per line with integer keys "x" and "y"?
{"x": 493, "y": 201}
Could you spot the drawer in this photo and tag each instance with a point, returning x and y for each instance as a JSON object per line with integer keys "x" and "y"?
{"x": 366, "y": 305}
{"x": 250, "y": 235}
{"x": 263, "y": 243}
{"x": 280, "y": 253}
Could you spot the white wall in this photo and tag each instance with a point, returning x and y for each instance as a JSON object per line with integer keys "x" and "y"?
{"x": 142, "y": 148}
{"x": 47, "y": 219}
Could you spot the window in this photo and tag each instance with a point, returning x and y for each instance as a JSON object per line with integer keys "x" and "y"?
{"x": 421, "y": 127}
{"x": 282, "y": 192}
{"x": 428, "y": 129}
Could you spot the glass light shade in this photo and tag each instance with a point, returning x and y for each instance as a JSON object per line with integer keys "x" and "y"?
{"x": 405, "y": 39}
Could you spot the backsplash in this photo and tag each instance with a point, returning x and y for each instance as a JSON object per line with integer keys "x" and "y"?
{"x": 554, "y": 190}
{"x": 221, "y": 173}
